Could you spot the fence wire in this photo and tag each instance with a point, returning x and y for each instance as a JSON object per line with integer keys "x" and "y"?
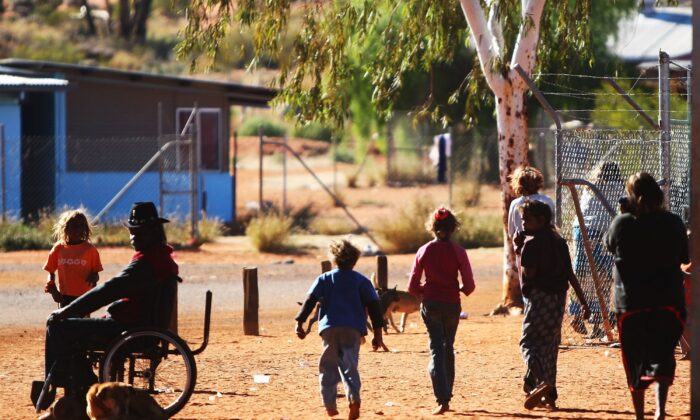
{"x": 44, "y": 174}
{"x": 606, "y": 159}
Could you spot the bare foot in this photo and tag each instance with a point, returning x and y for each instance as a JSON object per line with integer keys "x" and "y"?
{"x": 441, "y": 409}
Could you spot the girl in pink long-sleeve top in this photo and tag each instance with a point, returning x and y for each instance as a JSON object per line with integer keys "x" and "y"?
{"x": 441, "y": 260}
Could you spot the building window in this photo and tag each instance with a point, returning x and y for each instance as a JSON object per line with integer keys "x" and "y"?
{"x": 209, "y": 134}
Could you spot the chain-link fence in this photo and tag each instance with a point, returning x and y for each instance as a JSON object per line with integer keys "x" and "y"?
{"x": 596, "y": 164}
{"x": 45, "y": 174}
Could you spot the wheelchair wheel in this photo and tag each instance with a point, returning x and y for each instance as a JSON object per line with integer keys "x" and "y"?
{"x": 157, "y": 362}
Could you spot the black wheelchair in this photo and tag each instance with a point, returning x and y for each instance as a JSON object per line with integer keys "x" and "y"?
{"x": 153, "y": 359}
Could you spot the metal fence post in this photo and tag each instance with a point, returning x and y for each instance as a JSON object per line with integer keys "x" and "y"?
{"x": 665, "y": 123}
{"x": 284, "y": 176}
{"x": 260, "y": 170}
{"x": 3, "y": 175}
{"x": 382, "y": 272}
{"x": 194, "y": 174}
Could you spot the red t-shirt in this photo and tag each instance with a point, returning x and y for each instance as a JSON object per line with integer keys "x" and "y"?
{"x": 73, "y": 264}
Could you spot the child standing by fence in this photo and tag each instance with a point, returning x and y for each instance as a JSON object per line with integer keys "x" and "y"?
{"x": 441, "y": 260}
{"x": 545, "y": 274}
{"x": 344, "y": 295}
{"x": 74, "y": 257}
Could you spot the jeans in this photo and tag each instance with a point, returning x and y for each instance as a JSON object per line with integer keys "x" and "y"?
{"x": 66, "y": 343}
{"x": 339, "y": 360}
{"x": 441, "y": 320}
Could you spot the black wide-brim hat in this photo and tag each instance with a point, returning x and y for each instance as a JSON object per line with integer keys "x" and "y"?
{"x": 144, "y": 214}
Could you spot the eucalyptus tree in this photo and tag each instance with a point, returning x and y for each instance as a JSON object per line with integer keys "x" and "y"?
{"x": 315, "y": 83}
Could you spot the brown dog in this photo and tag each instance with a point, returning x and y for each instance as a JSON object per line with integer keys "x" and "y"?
{"x": 65, "y": 408}
{"x": 118, "y": 401}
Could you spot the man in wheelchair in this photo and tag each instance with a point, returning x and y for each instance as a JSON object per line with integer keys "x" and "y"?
{"x": 131, "y": 295}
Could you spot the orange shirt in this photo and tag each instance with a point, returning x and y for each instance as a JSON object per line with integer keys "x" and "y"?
{"x": 73, "y": 263}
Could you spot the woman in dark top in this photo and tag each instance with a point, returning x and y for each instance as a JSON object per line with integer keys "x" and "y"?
{"x": 649, "y": 245}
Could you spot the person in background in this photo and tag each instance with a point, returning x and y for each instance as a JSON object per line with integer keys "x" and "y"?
{"x": 74, "y": 257}
{"x": 597, "y": 219}
{"x": 649, "y": 245}
{"x": 441, "y": 260}
{"x": 345, "y": 298}
{"x": 526, "y": 183}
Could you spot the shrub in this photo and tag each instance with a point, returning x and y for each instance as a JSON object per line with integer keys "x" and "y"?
{"x": 270, "y": 232}
{"x": 344, "y": 156}
{"x": 405, "y": 232}
{"x": 15, "y": 236}
{"x": 314, "y": 131}
{"x": 480, "y": 230}
{"x": 269, "y": 128}
{"x": 467, "y": 192}
{"x": 332, "y": 226}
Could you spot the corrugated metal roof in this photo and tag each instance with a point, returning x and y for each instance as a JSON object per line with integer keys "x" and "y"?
{"x": 640, "y": 37}
{"x": 8, "y": 81}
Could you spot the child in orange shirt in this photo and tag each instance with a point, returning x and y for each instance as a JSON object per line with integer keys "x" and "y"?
{"x": 74, "y": 257}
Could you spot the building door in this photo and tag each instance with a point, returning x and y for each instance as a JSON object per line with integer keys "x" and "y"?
{"x": 38, "y": 163}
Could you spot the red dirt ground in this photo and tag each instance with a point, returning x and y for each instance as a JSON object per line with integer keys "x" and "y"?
{"x": 396, "y": 385}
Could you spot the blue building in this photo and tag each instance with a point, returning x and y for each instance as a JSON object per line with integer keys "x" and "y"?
{"x": 75, "y": 135}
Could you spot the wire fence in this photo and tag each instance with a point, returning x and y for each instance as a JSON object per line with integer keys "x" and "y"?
{"x": 606, "y": 159}
{"x": 43, "y": 174}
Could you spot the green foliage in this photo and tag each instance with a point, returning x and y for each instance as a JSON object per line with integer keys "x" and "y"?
{"x": 47, "y": 48}
{"x": 269, "y": 128}
{"x": 611, "y": 110}
{"x": 270, "y": 232}
{"x": 314, "y": 131}
{"x": 393, "y": 46}
{"x": 405, "y": 232}
{"x": 344, "y": 155}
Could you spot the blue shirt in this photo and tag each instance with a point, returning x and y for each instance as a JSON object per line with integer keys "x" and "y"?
{"x": 343, "y": 295}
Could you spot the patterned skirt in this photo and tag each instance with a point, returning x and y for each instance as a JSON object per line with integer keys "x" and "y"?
{"x": 539, "y": 344}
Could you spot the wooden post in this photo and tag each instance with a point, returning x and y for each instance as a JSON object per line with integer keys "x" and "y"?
{"x": 326, "y": 266}
{"x": 382, "y": 272}
{"x": 250, "y": 301}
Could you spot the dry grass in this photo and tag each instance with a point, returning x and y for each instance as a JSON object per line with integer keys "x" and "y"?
{"x": 270, "y": 232}
{"x": 405, "y": 232}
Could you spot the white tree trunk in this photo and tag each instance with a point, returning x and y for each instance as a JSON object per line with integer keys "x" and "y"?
{"x": 511, "y": 117}
{"x": 511, "y": 112}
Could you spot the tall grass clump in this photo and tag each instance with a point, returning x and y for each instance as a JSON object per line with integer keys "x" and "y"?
{"x": 405, "y": 232}
{"x": 270, "y": 232}
{"x": 480, "y": 230}
{"x": 16, "y": 236}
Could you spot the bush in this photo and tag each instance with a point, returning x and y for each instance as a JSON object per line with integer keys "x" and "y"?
{"x": 332, "y": 226}
{"x": 269, "y": 128}
{"x": 15, "y": 236}
{"x": 315, "y": 131}
{"x": 405, "y": 232}
{"x": 344, "y": 156}
{"x": 467, "y": 192}
{"x": 480, "y": 230}
{"x": 270, "y": 232}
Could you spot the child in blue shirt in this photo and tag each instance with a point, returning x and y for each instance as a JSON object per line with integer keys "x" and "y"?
{"x": 345, "y": 297}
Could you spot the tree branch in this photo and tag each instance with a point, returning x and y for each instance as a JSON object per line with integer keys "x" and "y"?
{"x": 483, "y": 41}
{"x": 525, "y": 51}
{"x": 495, "y": 28}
